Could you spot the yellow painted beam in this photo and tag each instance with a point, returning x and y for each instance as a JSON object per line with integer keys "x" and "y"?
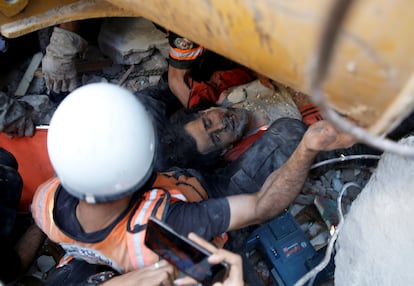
{"x": 45, "y": 13}
{"x": 12, "y": 8}
{"x": 279, "y": 38}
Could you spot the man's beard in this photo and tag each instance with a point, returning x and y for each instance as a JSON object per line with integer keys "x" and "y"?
{"x": 240, "y": 119}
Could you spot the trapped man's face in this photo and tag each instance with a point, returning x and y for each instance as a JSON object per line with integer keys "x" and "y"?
{"x": 217, "y": 128}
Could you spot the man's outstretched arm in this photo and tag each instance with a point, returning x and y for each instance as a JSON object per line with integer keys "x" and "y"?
{"x": 284, "y": 184}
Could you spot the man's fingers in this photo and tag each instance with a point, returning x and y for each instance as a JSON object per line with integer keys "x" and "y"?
{"x": 160, "y": 272}
{"x": 340, "y": 141}
{"x": 235, "y": 274}
{"x": 202, "y": 242}
{"x": 322, "y": 136}
{"x": 187, "y": 280}
{"x": 224, "y": 255}
{"x": 347, "y": 140}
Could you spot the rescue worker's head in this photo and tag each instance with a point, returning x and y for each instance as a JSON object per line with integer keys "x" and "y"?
{"x": 101, "y": 143}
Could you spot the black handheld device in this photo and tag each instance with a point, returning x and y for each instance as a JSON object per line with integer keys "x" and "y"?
{"x": 187, "y": 256}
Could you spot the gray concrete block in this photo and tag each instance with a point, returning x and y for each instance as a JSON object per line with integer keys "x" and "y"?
{"x": 129, "y": 41}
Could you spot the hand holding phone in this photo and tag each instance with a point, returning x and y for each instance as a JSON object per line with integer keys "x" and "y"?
{"x": 233, "y": 260}
{"x": 186, "y": 255}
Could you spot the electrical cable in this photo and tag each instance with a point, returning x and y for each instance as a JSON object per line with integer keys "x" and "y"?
{"x": 312, "y": 273}
{"x": 318, "y": 74}
{"x": 344, "y": 159}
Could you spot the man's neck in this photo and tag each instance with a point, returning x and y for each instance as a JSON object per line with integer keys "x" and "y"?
{"x": 254, "y": 124}
{"x": 95, "y": 217}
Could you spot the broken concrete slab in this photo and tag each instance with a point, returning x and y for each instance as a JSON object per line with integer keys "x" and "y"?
{"x": 28, "y": 75}
{"x": 267, "y": 105}
{"x": 129, "y": 41}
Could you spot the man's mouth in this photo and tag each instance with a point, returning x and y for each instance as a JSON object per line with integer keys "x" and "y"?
{"x": 235, "y": 121}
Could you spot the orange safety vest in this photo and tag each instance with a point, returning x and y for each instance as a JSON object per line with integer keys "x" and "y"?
{"x": 128, "y": 235}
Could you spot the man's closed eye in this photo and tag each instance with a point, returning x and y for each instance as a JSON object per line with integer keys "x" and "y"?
{"x": 206, "y": 123}
{"x": 215, "y": 138}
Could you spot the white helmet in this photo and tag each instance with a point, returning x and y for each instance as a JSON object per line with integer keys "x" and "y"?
{"x": 101, "y": 143}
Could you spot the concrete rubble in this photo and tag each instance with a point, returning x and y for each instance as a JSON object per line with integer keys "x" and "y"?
{"x": 138, "y": 54}
{"x": 129, "y": 41}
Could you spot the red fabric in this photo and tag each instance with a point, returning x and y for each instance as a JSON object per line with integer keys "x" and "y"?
{"x": 201, "y": 92}
{"x": 33, "y": 159}
{"x": 239, "y": 148}
{"x": 310, "y": 114}
{"x": 210, "y": 90}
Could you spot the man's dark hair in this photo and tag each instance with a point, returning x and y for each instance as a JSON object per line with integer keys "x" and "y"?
{"x": 178, "y": 148}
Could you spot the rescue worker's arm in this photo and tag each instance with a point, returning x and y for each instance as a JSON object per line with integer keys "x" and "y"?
{"x": 177, "y": 84}
{"x": 283, "y": 185}
{"x": 182, "y": 56}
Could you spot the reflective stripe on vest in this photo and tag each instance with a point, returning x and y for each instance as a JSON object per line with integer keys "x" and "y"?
{"x": 186, "y": 55}
{"x": 42, "y": 212}
{"x": 101, "y": 252}
{"x": 128, "y": 235}
{"x": 154, "y": 203}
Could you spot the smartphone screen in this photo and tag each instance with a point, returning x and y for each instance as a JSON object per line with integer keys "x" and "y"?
{"x": 187, "y": 256}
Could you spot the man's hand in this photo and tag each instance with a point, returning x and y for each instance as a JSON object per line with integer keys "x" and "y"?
{"x": 58, "y": 64}
{"x": 322, "y": 136}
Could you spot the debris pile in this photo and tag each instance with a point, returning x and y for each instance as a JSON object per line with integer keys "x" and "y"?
{"x": 315, "y": 209}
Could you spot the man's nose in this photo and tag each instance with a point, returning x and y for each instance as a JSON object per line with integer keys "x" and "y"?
{"x": 219, "y": 125}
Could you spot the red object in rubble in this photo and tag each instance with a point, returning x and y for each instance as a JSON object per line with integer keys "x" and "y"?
{"x": 33, "y": 159}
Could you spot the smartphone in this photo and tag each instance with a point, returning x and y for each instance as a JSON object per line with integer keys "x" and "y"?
{"x": 186, "y": 255}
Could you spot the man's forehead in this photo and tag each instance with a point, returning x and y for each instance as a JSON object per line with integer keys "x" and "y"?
{"x": 219, "y": 109}
{"x": 214, "y": 108}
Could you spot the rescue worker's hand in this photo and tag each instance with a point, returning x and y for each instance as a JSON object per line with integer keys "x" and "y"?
{"x": 58, "y": 64}
{"x": 235, "y": 275}
{"x": 161, "y": 273}
{"x": 15, "y": 117}
{"x": 322, "y": 136}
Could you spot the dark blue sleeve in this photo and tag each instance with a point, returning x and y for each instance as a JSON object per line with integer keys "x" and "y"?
{"x": 208, "y": 218}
